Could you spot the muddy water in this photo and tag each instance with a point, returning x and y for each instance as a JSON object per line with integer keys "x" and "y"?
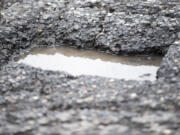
{"x": 88, "y": 62}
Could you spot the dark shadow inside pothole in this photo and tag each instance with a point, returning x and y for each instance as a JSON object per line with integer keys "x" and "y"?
{"x": 90, "y": 62}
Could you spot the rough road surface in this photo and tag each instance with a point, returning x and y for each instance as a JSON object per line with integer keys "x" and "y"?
{"x": 38, "y": 102}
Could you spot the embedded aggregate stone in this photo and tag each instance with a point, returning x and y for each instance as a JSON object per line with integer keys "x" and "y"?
{"x": 4, "y": 4}
{"x": 89, "y": 24}
{"x": 34, "y": 101}
{"x": 41, "y": 102}
{"x": 169, "y": 69}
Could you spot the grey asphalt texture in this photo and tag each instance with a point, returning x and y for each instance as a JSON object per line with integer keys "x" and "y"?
{"x": 40, "y": 102}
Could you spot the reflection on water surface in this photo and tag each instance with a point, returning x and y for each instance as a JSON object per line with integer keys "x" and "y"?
{"x": 89, "y": 62}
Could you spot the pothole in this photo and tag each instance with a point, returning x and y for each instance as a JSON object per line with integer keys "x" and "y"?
{"x": 89, "y": 62}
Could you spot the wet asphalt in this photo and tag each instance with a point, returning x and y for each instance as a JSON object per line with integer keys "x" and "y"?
{"x": 40, "y": 102}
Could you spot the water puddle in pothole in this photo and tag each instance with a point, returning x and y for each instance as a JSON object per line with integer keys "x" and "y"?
{"x": 90, "y": 62}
